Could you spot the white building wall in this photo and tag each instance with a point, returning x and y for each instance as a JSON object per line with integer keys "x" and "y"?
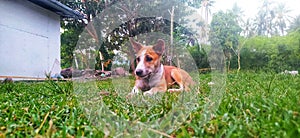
{"x": 29, "y": 39}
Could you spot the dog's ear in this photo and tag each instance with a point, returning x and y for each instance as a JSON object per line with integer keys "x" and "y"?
{"x": 136, "y": 46}
{"x": 159, "y": 47}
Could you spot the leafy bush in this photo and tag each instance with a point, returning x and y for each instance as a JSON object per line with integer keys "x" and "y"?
{"x": 277, "y": 53}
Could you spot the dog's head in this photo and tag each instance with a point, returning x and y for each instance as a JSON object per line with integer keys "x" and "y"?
{"x": 147, "y": 57}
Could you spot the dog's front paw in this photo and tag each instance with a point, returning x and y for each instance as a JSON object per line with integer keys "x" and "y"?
{"x": 150, "y": 92}
{"x": 147, "y": 93}
{"x": 133, "y": 92}
{"x": 130, "y": 95}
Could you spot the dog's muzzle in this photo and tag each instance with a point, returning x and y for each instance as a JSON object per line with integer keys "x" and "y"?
{"x": 141, "y": 73}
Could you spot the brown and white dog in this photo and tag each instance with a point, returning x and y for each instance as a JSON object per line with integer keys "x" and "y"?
{"x": 152, "y": 76}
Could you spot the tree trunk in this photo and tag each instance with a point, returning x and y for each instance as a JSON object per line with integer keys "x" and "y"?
{"x": 239, "y": 60}
{"x": 240, "y": 46}
{"x": 228, "y": 65}
{"x": 170, "y": 56}
{"x": 101, "y": 61}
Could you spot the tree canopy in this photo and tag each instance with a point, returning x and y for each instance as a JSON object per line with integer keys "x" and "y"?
{"x": 266, "y": 41}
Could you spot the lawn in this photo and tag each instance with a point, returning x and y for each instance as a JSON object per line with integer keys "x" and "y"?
{"x": 252, "y": 105}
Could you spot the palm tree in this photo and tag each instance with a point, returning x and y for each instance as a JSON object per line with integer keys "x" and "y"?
{"x": 248, "y": 28}
{"x": 264, "y": 19}
{"x": 238, "y": 14}
{"x": 282, "y": 17}
{"x": 205, "y": 12}
{"x": 206, "y": 8}
{"x": 295, "y": 24}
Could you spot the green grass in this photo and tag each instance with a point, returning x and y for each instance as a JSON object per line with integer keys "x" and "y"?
{"x": 253, "y": 105}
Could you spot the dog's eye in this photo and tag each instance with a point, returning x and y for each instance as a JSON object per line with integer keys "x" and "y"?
{"x": 138, "y": 59}
{"x": 148, "y": 59}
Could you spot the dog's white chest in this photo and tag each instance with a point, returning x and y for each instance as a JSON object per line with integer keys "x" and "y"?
{"x": 157, "y": 77}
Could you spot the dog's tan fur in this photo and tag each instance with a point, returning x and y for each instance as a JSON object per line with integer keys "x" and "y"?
{"x": 151, "y": 76}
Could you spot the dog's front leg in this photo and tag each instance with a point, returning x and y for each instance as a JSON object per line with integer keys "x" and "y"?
{"x": 151, "y": 91}
{"x": 134, "y": 91}
{"x": 159, "y": 87}
{"x": 154, "y": 90}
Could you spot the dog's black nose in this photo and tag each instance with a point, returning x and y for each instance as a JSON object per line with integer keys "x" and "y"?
{"x": 139, "y": 72}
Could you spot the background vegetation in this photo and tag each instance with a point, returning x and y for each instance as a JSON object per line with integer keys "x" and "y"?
{"x": 261, "y": 43}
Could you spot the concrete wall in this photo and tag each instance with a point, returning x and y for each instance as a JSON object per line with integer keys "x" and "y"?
{"x": 29, "y": 39}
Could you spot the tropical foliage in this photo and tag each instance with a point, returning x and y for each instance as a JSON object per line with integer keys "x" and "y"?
{"x": 108, "y": 35}
{"x": 263, "y": 43}
{"x": 260, "y": 43}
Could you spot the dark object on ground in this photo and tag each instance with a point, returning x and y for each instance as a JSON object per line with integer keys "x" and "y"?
{"x": 66, "y": 73}
{"x": 70, "y": 72}
{"x": 88, "y": 73}
{"x": 8, "y": 80}
{"x": 102, "y": 73}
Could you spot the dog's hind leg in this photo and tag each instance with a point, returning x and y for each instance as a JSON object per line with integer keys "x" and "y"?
{"x": 176, "y": 75}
